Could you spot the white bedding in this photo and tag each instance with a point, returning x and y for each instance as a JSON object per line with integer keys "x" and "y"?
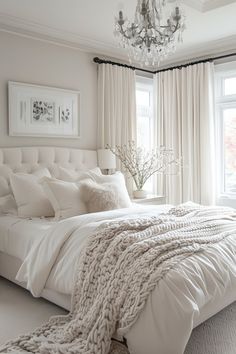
{"x": 17, "y": 235}
{"x": 196, "y": 289}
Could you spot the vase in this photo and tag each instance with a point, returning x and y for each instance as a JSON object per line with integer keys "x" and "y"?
{"x": 140, "y": 193}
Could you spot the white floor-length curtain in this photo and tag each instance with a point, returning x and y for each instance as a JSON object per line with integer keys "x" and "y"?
{"x": 185, "y": 122}
{"x": 116, "y": 107}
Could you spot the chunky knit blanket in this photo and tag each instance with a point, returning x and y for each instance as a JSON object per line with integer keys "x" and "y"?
{"x": 118, "y": 269}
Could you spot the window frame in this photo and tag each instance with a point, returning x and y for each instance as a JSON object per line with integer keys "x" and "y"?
{"x": 147, "y": 84}
{"x": 223, "y": 102}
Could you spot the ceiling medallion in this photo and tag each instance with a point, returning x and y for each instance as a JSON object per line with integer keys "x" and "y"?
{"x": 153, "y": 34}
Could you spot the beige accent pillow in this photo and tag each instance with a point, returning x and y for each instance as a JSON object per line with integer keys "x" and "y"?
{"x": 29, "y": 195}
{"x": 106, "y": 196}
{"x": 65, "y": 197}
{"x": 73, "y": 176}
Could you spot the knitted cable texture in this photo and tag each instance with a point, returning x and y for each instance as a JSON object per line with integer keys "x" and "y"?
{"x": 116, "y": 272}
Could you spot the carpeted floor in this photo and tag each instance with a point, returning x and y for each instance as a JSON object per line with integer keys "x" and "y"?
{"x": 215, "y": 336}
{"x": 21, "y": 313}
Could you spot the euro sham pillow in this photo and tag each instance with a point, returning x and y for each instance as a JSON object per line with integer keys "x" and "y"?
{"x": 68, "y": 175}
{"x": 104, "y": 196}
{"x": 65, "y": 197}
{"x": 29, "y": 195}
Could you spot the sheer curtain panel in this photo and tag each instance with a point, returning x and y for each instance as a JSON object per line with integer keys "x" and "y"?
{"x": 185, "y": 122}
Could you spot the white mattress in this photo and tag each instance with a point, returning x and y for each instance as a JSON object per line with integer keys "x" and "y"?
{"x": 17, "y": 235}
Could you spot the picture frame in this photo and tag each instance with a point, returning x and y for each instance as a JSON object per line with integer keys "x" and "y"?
{"x": 43, "y": 111}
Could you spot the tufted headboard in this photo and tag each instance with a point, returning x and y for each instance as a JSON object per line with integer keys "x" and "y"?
{"x": 29, "y": 159}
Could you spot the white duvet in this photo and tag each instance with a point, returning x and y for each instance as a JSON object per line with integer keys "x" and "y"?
{"x": 199, "y": 287}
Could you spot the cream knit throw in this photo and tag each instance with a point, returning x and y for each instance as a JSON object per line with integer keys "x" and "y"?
{"x": 120, "y": 266}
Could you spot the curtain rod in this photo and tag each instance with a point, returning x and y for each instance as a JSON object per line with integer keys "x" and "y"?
{"x": 195, "y": 62}
{"x": 102, "y": 61}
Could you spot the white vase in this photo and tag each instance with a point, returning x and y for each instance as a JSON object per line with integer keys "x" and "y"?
{"x": 140, "y": 193}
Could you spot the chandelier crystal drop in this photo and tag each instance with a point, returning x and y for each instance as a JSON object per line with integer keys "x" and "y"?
{"x": 153, "y": 34}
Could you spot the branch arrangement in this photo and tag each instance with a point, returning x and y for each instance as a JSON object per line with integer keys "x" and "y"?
{"x": 142, "y": 164}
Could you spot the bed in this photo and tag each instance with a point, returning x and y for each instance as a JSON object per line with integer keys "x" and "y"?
{"x": 189, "y": 294}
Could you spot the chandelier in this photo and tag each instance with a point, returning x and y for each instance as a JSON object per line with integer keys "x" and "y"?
{"x": 152, "y": 35}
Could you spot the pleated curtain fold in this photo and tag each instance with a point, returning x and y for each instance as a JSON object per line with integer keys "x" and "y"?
{"x": 116, "y": 108}
{"x": 184, "y": 112}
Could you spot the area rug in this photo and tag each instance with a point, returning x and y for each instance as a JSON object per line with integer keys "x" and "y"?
{"x": 215, "y": 336}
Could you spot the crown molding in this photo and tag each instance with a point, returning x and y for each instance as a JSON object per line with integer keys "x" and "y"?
{"x": 53, "y": 35}
{"x": 23, "y": 28}
{"x": 203, "y": 51}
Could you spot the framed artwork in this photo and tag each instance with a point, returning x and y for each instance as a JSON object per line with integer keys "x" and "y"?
{"x": 43, "y": 111}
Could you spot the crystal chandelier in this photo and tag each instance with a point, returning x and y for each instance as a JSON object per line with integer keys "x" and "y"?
{"x": 152, "y": 36}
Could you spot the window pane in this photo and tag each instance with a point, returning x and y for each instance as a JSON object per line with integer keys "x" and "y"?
{"x": 143, "y": 98}
{"x": 143, "y": 131}
{"x": 230, "y": 86}
{"x": 229, "y": 116}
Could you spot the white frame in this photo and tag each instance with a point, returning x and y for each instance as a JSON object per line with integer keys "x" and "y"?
{"x": 147, "y": 84}
{"x": 22, "y": 122}
{"x": 223, "y": 72}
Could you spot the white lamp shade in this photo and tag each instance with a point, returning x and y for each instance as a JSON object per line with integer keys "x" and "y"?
{"x": 106, "y": 159}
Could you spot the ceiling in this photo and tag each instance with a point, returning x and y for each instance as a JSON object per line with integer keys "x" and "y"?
{"x": 88, "y": 25}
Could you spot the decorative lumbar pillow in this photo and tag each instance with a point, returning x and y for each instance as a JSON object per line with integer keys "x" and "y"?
{"x": 65, "y": 197}
{"x": 105, "y": 196}
{"x": 73, "y": 176}
{"x": 29, "y": 195}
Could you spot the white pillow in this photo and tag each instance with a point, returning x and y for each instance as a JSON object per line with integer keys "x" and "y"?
{"x": 117, "y": 178}
{"x": 42, "y": 172}
{"x": 4, "y": 187}
{"x": 105, "y": 196}
{"x": 8, "y": 205}
{"x": 73, "y": 176}
{"x": 29, "y": 195}
{"x": 65, "y": 197}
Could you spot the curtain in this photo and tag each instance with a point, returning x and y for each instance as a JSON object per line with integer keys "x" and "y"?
{"x": 185, "y": 123}
{"x": 116, "y": 108}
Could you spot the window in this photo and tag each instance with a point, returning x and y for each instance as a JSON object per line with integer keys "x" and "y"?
{"x": 144, "y": 101}
{"x": 226, "y": 133}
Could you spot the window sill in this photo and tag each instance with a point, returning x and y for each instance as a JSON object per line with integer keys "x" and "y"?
{"x": 227, "y": 200}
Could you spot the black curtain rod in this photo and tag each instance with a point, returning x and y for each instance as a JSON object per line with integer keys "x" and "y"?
{"x": 195, "y": 62}
{"x": 102, "y": 61}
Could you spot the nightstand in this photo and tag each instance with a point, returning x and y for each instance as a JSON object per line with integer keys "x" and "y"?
{"x": 151, "y": 199}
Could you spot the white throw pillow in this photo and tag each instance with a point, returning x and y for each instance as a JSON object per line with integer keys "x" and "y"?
{"x": 117, "y": 178}
{"x": 29, "y": 195}
{"x": 65, "y": 197}
{"x": 73, "y": 176}
{"x": 105, "y": 196}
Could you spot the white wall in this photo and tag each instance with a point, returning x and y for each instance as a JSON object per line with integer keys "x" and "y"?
{"x": 32, "y": 61}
